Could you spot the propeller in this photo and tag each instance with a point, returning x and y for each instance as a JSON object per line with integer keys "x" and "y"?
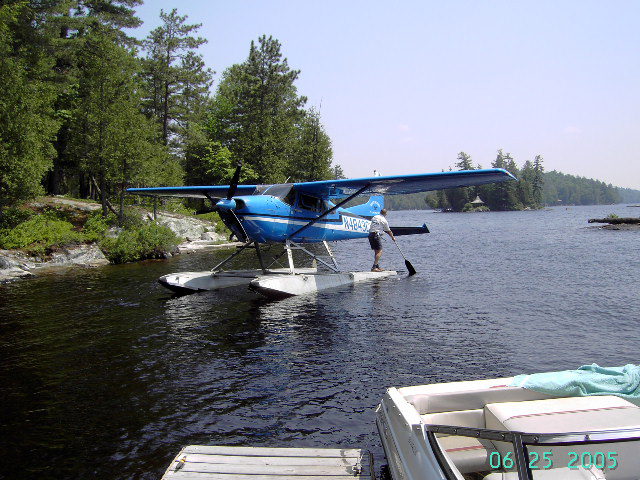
{"x": 229, "y": 203}
{"x": 234, "y": 181}
{"x": 226, "y": 207}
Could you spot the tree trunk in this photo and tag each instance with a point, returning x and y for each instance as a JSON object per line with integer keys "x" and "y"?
{"x": 103, "y": 196}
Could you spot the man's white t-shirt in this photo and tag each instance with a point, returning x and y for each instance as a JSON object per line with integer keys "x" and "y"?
{"x": 379, "y": 225}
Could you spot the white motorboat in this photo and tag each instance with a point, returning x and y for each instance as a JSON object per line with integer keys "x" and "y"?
{"x": 493, "y": 430}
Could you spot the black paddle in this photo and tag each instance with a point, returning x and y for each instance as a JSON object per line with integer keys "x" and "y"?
{"x": 412, "y": 271}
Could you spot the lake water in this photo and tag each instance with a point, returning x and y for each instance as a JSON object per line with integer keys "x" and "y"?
{"x": 103, "y": 374}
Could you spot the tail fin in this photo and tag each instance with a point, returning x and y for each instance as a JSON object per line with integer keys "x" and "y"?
{"x": 369, "y": 209}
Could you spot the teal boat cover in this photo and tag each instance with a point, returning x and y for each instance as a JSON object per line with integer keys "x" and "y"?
{"x": 587, "y": 380}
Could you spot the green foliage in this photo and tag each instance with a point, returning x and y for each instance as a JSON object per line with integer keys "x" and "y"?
{"x": 534, "y": 188}
{"x": 175, "y": 79}
{"x": 628, "y": 195}
{"x": 412, "y": 201}
{"x": 178, "y": 206}
{"x": 40, "y": 233}
{"x": 110, "y": 136}
{"x": 27, "y": 125}
{"x": 562, "y": 189}
{"x": 12, "y": 217}
{"x": 258, "y": 118}
{"x": 150, "y": 240}
{"x": 470, "y": 207}
{"x": 258, "y": 115}
{"x": 97, "y": 226}
{"x": 312, "y": 152}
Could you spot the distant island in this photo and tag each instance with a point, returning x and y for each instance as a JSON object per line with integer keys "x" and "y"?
{"x": 535, "y": 189}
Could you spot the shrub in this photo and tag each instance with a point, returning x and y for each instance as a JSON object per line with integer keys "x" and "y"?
{"x": 12, "y": 217}
{"x": 40, "y": 233}
{"x": 96, "y": 226}
{"x": 147, "y": 241}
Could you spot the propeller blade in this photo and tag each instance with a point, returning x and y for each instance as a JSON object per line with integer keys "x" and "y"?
{"x": 233, "y": 223}
{"x": 234, "y": 181}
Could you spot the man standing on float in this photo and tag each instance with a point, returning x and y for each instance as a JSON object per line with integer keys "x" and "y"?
{"x": 379, "y": 225}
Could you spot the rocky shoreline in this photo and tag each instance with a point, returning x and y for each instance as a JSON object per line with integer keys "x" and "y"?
{"x": 199, "y": 236}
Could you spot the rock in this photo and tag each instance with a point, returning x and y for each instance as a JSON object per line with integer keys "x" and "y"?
{"x": 185, "y": 227}
{"x": 12, "y": 267}
{"x": 78, "y": 205}
{"x": 15, "y": 265}
{"x": 213, "y": 237}
{"x": 87, "y": 255}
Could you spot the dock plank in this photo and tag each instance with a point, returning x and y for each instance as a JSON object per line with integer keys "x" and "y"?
{"x": 273, "y": 452}
{"x": 222, "y": 476}
{"x": 200, "y": 462}
{"x": 269, "y": 460}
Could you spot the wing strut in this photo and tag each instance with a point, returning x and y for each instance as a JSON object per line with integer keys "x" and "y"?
{"x": 331, "y": 210}
{"x": 226, "y": 260}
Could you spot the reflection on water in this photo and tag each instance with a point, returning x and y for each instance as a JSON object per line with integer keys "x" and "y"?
{"x": 105, "y": 374}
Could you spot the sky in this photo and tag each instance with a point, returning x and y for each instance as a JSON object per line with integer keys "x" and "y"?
{"x": 404, "y": 86}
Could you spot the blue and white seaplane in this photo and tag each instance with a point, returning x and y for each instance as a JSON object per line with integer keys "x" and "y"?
{"x": 296, "y": 214}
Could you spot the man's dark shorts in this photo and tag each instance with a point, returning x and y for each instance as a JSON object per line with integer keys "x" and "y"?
{"x": 375, "y": 241}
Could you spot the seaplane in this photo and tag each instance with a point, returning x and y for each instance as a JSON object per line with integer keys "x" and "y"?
{"x": 297, "y": 214}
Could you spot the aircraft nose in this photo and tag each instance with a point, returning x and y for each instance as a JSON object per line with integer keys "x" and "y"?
{"x": 226, "y": 205}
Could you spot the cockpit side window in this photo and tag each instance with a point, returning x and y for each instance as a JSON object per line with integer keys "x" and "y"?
{"x": 308, "y": 202}
{"x": 290, "y": 198}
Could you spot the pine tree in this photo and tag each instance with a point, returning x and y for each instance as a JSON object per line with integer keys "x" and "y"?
{"x": 177, "y": 81}
{"x": 110, "y": 134}
{"x": 457, "y": 198}
{"x": 538, "y": 181}
{"x": 503, "y": 194}
{"x": 65, "y": 24}
{"x": 256, "y": 110}
{"x": 312, "y": 155}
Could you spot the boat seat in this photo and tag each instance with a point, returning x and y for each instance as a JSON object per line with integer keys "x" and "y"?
{"x": 469, "y": 395}
{"x": 558, "y": 415}
{"x": 572, "y": 414}
{"x": 468, "y": 454}
{"x": 460, "y": 418}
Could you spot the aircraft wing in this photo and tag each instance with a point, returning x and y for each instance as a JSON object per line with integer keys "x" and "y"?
{"x": 205, "y": 191}
{"x": 330, "y": 189}
{"x": 401, "y": 184}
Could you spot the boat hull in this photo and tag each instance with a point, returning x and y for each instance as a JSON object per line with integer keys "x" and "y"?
{"x": 407, "y": 451}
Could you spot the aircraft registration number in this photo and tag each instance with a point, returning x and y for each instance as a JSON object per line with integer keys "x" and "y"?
{"x": 354, "y": 224}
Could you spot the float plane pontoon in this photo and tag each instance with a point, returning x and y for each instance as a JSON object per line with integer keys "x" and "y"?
{"x": 572, "y": 425}
{"x": 295, "y": 214}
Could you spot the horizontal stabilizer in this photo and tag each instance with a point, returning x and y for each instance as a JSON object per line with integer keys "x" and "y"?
{"x": 397, "y": 231}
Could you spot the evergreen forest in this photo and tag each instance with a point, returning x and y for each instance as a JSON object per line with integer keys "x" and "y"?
{"x": 88, "y": 111}
{"x": 534, "y": 189}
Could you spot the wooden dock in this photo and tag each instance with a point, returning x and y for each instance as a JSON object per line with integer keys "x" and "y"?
{"x": 199, "y": 462}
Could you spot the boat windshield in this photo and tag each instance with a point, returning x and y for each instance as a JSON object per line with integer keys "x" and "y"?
{"x": 482, "y": 454}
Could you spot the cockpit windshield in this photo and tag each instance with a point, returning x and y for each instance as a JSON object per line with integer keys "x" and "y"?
{"x": 280, "y": 190}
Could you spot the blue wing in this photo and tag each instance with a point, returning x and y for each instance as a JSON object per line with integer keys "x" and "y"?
{"x": 331, "y": 189}
{"x": 204, "y": 191}
{"x": 401, "y": 184}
